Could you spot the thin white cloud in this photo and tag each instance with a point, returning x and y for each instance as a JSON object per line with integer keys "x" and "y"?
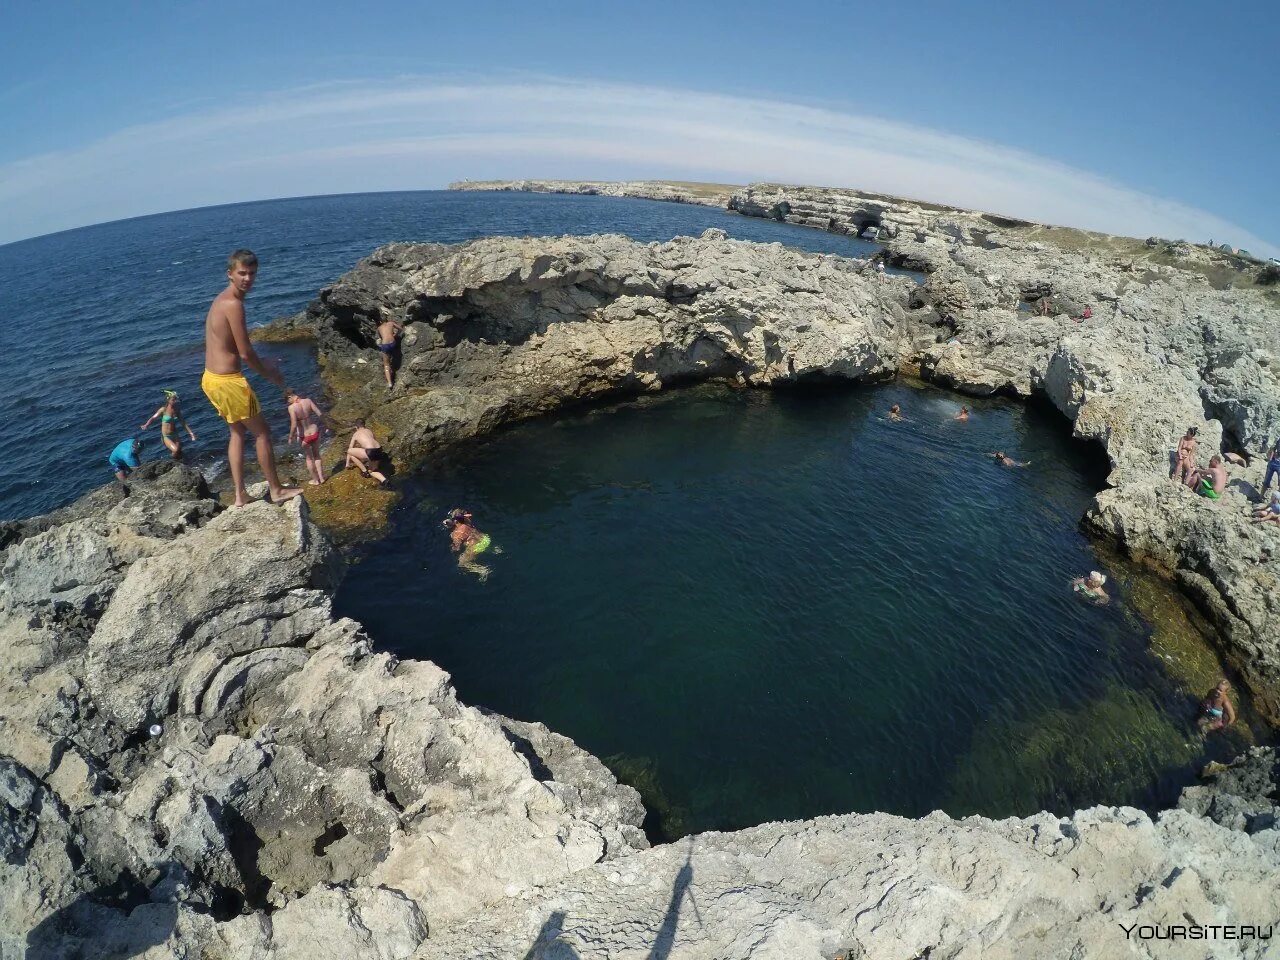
{"x": 420, "y": 133}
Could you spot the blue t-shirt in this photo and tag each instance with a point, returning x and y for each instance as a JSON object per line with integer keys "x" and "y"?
{"x": 123, "y": 455}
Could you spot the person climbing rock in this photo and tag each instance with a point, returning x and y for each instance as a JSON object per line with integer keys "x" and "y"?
{"x": 389, "y": 334}
{"x": 124, "y": 457}
{"x": 366, "y": 454}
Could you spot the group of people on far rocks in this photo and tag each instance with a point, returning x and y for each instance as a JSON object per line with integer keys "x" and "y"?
{"x": 228, "y": 349}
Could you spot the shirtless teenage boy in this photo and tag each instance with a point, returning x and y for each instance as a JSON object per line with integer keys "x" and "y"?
{"x": 389, "y": 333}
{"x": 226, "y": 347}
{"x": 365, "y": 453}
{"x": 305, "y": 421}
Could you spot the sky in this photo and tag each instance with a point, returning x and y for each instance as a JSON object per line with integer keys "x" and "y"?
{"x": 1126, "y": 117}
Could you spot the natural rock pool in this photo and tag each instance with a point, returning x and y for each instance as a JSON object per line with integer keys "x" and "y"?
{"x": 758, "y": 606}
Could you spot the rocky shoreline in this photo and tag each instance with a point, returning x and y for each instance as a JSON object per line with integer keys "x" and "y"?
{"x": 307, "y": 795}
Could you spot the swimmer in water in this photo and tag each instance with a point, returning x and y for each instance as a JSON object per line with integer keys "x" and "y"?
{"x": 895, "y": 413}
{"x": 170, "y": 415}
{"x": 468, "y": 542}
{"x": 1216, "y": 710}
{"x": 1005, "y": 460}
{"x": 962, "y": 415}
{"x": 1091, "y": 586}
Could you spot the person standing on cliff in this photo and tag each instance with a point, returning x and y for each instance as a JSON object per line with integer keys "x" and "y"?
{"x": 389, "y": 334}
{"x": 226, "y": 347}
{"x": 1186, "y": 456}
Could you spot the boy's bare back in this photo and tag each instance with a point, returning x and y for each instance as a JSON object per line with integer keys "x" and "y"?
{"x": 221, "y": 355}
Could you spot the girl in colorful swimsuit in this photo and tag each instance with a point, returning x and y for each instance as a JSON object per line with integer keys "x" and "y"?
{"x": 1216, "y": 710}
{"x": 170, "y": 419}
{"x": 305, "y": 421}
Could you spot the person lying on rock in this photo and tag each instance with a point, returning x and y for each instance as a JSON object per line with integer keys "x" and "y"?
{"x": 124, "y": 457}
{"x": 366, "y": 454}
{"x": 1216, "y": 710}
{"x": 1091, "y": 586}
{"x": 468, "y": 542}
{"x": 389, "y": 333}
{"x": 1271, "y": 512}
{"x": 1186, "y": 456}
{"x": 305, "y": 422}
{"x": 1005, "y": 460}
{"x": 1211, "y": 482}
{"x": 962, "y": 415}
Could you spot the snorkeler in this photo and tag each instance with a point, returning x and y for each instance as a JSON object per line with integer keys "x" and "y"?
{"x": 305, "y": 421}
{"x": 1005, "y": 460}
{"x": 1091, "y": 586}
{"x": 962, "y": 415}
{"x": 170, "y": 415}
{"x": 1216, "y": 710}
{"x": 468, "y": 542}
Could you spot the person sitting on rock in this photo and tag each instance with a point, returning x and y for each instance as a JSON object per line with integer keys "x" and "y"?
{"x": 1186, "y": 456}
{"x": 1271, "y": 512}
{"x": 1005, "y": 460}
{"x": 1216, "y": 710}
{"x": 366, "y": 454}
{"x": 1091, "y": 586}
{"x": 305, "y": 422}
{"x": 124, "y": 457}
{"x": 962, "y": 415}
{"x": 1088, "y": 312}
{"x": 389, "y": 333}
{"x": 1211, "y": 482}
{"x": 468, "y": 542}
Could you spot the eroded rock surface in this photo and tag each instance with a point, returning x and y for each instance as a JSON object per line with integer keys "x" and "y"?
{"x": 303, "y": 796}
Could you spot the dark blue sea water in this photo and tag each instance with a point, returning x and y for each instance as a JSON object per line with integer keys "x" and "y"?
{"x": 762, "y": 606}
{"x": 95, "y": 322}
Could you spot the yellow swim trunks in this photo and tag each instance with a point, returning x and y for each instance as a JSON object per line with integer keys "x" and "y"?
{"x": 230, "y": 395}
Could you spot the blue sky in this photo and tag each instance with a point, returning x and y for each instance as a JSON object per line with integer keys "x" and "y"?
{"x": 1120, "y": 116}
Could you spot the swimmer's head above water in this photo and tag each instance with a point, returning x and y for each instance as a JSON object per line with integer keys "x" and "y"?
{"x": 456, "y": 516}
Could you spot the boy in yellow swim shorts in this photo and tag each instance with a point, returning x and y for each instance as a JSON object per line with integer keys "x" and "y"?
{"x": 226, "y": 344}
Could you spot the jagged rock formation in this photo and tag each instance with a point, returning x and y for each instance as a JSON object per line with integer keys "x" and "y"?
{"x": 299, "y": 789}
{"x": 504, "y": 328}
{"x": 501, "y": 328}
{"x": 306, "y": 796}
